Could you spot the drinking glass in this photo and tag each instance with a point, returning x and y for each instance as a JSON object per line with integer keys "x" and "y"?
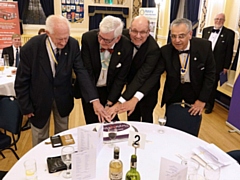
{"x": 1, "y": 69}
{"x": 112, "y": 133}
{"x": 161, "y": 122}
{"x": 192, "y": 167}
{"x": 66, "y": 155}
{"x": 30, "y": 169}
{"x": 6, "y": 60}
{"x": 211, "y": 172}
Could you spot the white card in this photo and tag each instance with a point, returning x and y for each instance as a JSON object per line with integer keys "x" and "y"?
{"x": 84, "y": 165}
{"x": 138, "y": 139}
{"x": 170, "y": 170}
{"x": 89, "y": 139}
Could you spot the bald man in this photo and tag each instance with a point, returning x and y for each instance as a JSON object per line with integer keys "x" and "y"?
{"x": 222, "y": 40}
{"x": 141, "y": 94}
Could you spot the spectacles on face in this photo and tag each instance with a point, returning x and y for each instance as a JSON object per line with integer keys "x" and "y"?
{"x": 107, "y": 41}
{"x": 179, "y": 36}
{"x": 135, "y": 32}
{"x": 219, "y": 19}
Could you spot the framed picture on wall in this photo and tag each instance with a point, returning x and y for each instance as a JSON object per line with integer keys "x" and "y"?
{"x": 73, "y": 10}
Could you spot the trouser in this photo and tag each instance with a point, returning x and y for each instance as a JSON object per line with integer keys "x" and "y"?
{"x": 60, "y": 124}
{"x": 211, "y": 101}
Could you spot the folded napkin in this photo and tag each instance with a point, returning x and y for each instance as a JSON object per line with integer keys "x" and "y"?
{"x": 211, "y": 154}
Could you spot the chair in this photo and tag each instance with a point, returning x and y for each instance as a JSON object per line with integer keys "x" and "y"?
{"x": 178, "y": 117}
{"x": 235, "y": 154}
{"x": 10, "y": 123}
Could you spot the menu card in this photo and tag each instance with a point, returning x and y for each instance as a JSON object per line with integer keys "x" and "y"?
{"x": 170, "y": 170}
{"x": 84, "y": 161}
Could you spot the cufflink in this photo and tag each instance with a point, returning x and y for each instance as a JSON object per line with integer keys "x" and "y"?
{"x": 118, "y": 65}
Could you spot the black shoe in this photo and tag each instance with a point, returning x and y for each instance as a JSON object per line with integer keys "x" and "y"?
{"x": 208, "y": 111}
{"x": 26, "y": 126}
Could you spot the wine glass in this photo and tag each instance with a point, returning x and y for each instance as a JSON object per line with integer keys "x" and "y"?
{"x": 161, "y": 122}
{"x": 192, "y": 167}
{"x": 112, "y": 133}
{"x": 211, "y": 172}
{"x": 66, "y": 155}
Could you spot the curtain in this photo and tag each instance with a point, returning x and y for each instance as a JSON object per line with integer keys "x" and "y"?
{"x": 22, "y": 6}
{"x": 48, "y": 7}
{"x": 173, "y": 12}
{"x": 192, "y": 13}
{"x": 148, "y": 3}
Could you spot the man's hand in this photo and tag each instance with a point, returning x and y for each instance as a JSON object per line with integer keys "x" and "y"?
{"x": 100, "y": 111}
{"x": 112, "y": 111}
{"x": 29, "y": 115}
{"x": 197, "y": 108}
{"x": 128, "y": 106}
{"x": 225, "y": 71}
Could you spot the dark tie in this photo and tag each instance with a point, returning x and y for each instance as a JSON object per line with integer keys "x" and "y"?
{"x": 215, "y": 30}
{"x": 17, "y": 57}
{"x": 109, "y": 50}
{"x": 57, "y": 54}
{"x": 186, "y": 51}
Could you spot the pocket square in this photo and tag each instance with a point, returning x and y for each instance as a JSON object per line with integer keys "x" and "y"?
{"x": 118, "y": 65}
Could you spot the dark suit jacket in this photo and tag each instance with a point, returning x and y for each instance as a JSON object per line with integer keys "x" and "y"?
{"x": 119, "y": 65}
{"x": 223, "y": 49}
{"x": 9, "y": 51}
{"x": 143, "y": 75}
{"x": 35, "y": 86}
{"x": 202, "y": 69}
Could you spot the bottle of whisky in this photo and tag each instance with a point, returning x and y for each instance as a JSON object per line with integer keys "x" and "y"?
{"x": 133, "y": 174}
{"x": 116, "y": 166}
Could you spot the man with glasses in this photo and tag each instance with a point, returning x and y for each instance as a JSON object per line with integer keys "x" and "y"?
{"x": 107, "y": 56}
{"x": 141, "y": 94}
{"x": 190, "y": 67}
{"x": 222, "y": 40}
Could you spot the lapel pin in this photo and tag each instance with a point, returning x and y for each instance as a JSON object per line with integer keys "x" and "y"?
{"x": 209, "y": 32}
{"x": 119, "y": 53}
{"x": 65, "y": 53}
{"x": 195, "y": 59}
{"x": 221, "y": 35}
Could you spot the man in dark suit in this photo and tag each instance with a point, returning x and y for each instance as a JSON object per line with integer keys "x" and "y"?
{"x": 222, "y": 40}
{"x": 107, "y": 56}
{"x": 13, "y": 50}
{"x": 141, "y": 94}
{"x": 43, "y": 81}
{"x": 190, "y": 67}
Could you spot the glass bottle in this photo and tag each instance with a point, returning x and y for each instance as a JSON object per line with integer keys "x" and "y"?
{"x": 116, "y": 166}
{"x": 133, "y": 174}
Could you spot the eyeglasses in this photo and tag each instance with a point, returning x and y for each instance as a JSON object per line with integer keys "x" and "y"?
{"x": 107, "y": 41}
{"x": 135, "y": 32}
{"x": 219, "y": 19}
{"x": 180, "y": 36}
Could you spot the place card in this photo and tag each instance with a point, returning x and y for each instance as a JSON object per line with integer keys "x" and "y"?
{"x": 170, "y": 170}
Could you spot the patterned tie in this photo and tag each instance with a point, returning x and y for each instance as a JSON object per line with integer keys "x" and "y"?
{"x": 17, "y": 57}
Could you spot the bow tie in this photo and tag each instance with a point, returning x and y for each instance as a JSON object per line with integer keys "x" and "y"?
{"x": 186, "y": 51}
{"x": 215, "y": 30}
{"x": 109, "y": 50}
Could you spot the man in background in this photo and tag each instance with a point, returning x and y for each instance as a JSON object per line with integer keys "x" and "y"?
{"x": 13, "y": 51}
{"x": 189, "y": 66}
{"x": 141, "y": 94}
{"x": 222, "y": 40}
{"x": 107, "y": 55}
{"x": 44, "y": 79}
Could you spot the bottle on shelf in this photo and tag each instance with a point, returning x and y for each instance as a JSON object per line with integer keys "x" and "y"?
{"x": 116, "y": 166}
{"x": 133, "y": 174}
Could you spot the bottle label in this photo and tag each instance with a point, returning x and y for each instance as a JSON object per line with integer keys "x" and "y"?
{"x": 116, "y": 176}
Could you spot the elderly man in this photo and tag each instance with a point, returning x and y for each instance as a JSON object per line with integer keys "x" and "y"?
{"x": 222, "y": 40}
{"x": 141, "y": 94}
{"x": 13, "y": 50}
{"x": 43, "y": 81}
{"x": 190, "y": 67}
{"x": 107, "y": 57}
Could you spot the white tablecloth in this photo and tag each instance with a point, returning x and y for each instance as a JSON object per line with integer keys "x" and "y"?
{"x": 7, "y": 82}
{"x": 166, "y": 145}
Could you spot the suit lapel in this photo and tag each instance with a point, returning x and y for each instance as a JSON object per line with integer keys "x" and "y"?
{"x": 221, "y": 37}
{"x": 209, "y": 31}
{"x": 176, "y": 60}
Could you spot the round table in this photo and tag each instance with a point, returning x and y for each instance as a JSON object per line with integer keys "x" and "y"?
{"x": 7, "y": 80}
{"x": 166, "y": 145}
